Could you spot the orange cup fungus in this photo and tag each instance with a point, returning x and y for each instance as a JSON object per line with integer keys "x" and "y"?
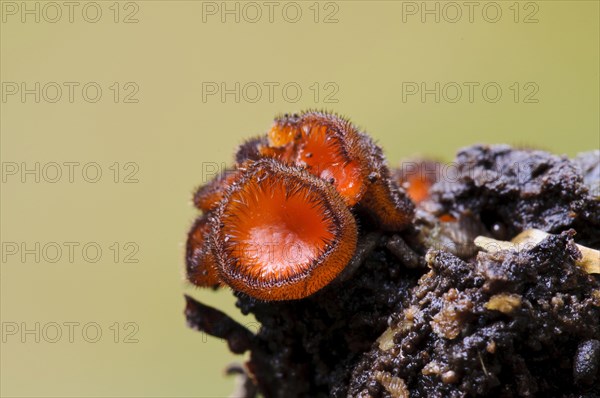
{"x": 200, "y": 263}
{"x": 327, "y": 146}
{"x": 208, "y": 196}
{"x": 282, "y": 233}
{"x": 282, "y": 223}
{"x": 417, "y": 177}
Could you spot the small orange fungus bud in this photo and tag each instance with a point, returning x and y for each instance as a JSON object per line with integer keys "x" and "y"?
{"x": 447, "y": 218}
{"x": 417, "y": 177}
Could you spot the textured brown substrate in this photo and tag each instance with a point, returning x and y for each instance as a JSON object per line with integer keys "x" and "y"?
{"x": 424, "y": 314}
{"x": 506, "y": 324}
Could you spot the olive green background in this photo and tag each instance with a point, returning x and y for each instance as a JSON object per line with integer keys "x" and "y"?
{"x": 173, "y": 135}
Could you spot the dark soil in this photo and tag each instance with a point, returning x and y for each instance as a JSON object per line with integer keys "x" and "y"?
{"x": 422, "y": 313}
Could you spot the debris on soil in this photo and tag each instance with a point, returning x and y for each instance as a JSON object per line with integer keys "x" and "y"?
{"x": 506, "y": 324}
{"x": 589, "y": 259}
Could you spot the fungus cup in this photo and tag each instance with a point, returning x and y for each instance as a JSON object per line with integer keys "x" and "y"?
{"x": 200, "y": 263}
{"x": 333, "y": 149}
{"x": 327, "y": 145}
{"x": 385, "y": 200}
{"x": 280, "y": 233}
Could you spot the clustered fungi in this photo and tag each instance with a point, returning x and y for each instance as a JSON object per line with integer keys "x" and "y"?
{"x": 281, "y": 225}
{"x": 421, "y": 309}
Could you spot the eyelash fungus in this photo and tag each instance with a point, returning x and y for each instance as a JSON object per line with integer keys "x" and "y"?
{"x": 327, "y": 146}
{"x": 200, "y": 263}
{"x": 281, "y": 233}
{"x": 207, "y": 197}
{"x": 300, "y": 189}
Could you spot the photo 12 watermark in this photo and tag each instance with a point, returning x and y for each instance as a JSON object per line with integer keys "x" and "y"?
{"x": 70, "y": 92}
{"x": 69, "y": 172}
{"x": 453, "y": 172}
{"x": 70, "y": 252}
{"x": 254, "y": 12}
{"x": 69, "y": 332}
{"x": 69, "y": 12}
{"x": 269, "y": 92}
{"x": 452, "y": 92}
{"x": 451, "y": 12}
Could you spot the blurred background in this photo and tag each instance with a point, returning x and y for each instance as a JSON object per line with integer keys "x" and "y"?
{"x": 113, "y": 112}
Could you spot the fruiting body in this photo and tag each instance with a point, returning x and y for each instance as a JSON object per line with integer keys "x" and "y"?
{"x": 385, "y": 200}
{"x": 201, "y": 267}
{"x": 282, "y": 224}
{"x": 328, "y": 146}
{"x": 334, "y": 150}
{"x": 281, "y": 234}
{"x": 208, "y": 196}
{"x": 388, "y": 204}
{"x": 251, "y": 149}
